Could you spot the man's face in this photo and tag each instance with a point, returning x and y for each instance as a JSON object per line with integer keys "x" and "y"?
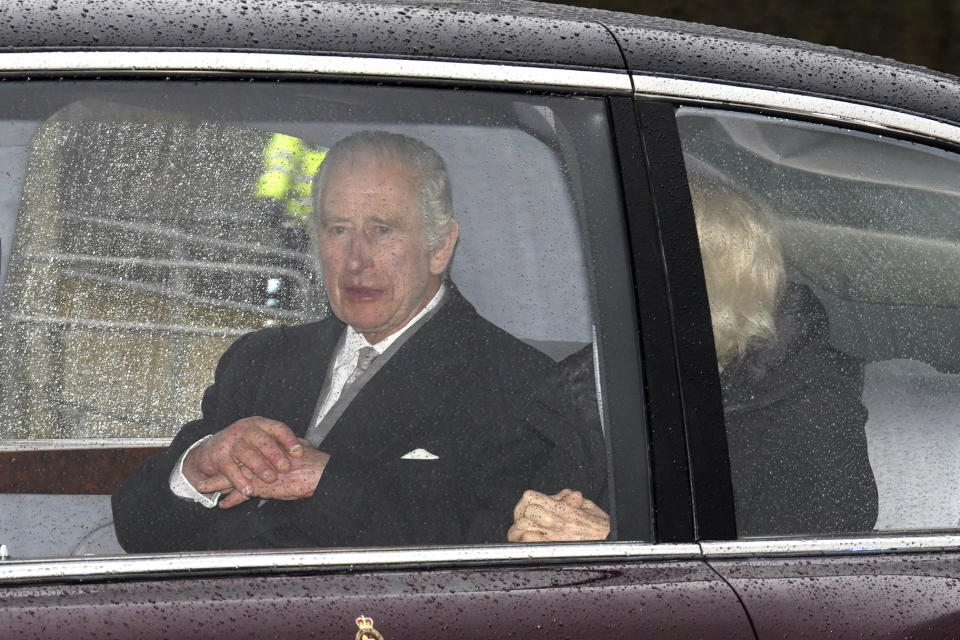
{"x": 376, "y": 265}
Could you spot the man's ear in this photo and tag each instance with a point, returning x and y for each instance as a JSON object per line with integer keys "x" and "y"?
{"x": 441, "y": 256}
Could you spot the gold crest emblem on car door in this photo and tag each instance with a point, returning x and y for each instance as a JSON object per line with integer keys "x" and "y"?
{"x": 367, "y": 632}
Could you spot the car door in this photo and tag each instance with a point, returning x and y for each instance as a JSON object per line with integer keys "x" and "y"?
{"x": 159, "y": 220}
{"x": 842, "y": 464}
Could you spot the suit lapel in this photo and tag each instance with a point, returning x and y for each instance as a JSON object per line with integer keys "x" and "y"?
{"x": 292, "y": 384}
{"x": 395, "y": 406}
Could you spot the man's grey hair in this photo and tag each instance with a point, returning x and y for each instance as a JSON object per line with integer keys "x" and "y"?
{"x": 434, "y": 197}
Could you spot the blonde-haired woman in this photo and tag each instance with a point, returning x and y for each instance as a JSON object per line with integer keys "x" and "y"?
{"x": 742, "y": 265}
{"x": 794, "y": 421}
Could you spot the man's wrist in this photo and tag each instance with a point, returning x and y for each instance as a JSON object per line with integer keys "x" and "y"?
{"x": 183, "y": 488}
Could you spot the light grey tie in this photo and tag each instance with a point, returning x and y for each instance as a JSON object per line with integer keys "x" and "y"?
{"x": 368, "y": 364}
{"x": 365, "y": 357}
{"x": 320, "y": 429}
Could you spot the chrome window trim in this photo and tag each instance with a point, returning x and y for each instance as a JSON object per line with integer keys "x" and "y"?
{"x": 379, "y": 559}
{"x": 831, "y": 546}
{"x": 347, "y": 559}
{"x": 48, "y": 444}
{"x": 231, "y": 61}
{"x": 787, "y": 103}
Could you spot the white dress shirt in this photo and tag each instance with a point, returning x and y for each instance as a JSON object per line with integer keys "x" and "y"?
{"x": 344, "y": 364}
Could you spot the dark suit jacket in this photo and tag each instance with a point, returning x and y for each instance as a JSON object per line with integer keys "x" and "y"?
{"x": 564, "y": 411}
{"x": 455, "y": 389}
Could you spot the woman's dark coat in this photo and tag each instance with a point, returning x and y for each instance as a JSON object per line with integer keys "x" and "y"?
{"x": 794, "y": 421}
{"x": 795, "y": 430}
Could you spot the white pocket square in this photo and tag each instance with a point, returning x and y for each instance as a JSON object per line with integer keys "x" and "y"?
{"x": 419, "y": 454}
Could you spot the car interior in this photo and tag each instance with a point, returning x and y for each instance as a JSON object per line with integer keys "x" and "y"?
{"x": 872, "y": 225}
{"x": 144, "y": 244}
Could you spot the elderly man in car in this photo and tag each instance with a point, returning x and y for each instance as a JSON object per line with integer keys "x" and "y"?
{"x": 392, "y": 422}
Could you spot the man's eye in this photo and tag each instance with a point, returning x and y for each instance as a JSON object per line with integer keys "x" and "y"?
{"x": 382, "y": 230}
{"x": 338, "y": 229}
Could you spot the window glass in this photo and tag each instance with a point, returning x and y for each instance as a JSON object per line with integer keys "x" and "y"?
{"x": 154, "y": 230}
{"x": 831, "y": 260}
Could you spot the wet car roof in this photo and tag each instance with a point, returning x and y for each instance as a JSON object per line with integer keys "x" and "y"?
{"x": 515, "y": 32}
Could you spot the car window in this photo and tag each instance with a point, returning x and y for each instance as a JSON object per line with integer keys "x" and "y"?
{"x": 830, "y": 257}
{"x": 153, "y": 230}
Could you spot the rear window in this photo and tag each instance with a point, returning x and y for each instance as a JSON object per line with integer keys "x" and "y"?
{"x": 831, "y": 258}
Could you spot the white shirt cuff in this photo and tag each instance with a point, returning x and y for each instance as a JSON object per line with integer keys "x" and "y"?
{"x": 182, "y": 488}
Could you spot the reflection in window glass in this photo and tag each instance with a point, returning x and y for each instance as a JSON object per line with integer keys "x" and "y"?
{"x": 159, "y": 225}
{"x": 831, "y": 258}
{"x": 140, "y": 243}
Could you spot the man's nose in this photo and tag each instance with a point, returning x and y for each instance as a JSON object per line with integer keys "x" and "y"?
{"x": 358, "y": 253}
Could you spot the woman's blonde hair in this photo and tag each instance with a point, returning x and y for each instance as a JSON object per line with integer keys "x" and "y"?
{"x": 742, "y": 263}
